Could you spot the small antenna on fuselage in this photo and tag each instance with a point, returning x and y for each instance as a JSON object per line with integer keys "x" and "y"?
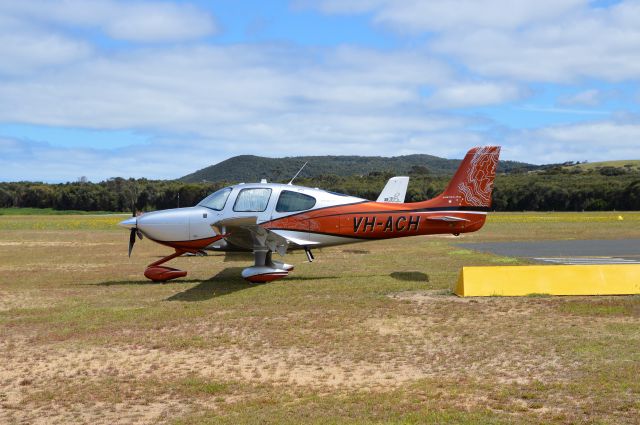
{"x": 294, "y": 177}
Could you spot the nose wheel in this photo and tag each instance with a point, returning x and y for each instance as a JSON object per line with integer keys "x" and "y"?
{"x": 158, "y": 273}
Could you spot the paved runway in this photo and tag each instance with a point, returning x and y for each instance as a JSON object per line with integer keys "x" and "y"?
{"x": 625, "y": 251}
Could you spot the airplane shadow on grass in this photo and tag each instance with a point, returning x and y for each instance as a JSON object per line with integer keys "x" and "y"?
{"x": 225, "y": 282}
{"x": 141, "y": 282}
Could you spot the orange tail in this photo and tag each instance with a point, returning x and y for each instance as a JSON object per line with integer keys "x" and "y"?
{"x": 472, "y": 184}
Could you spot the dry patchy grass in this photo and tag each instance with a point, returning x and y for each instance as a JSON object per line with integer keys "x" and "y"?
{"x": 364, "y": 335}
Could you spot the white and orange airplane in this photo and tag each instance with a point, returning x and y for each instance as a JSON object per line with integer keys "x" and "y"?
{"x": 264, "y": 218}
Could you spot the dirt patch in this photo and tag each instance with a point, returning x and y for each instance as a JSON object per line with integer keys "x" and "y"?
{"x": 470, "y": 333}
{"x": 436, "y": 296}
{"x": 22, "y": 299}
{"x": 130, "y": 412}
{"x": 49, "y": 267}
{"x": 398, "y": 326}
{"x": 31, "y": 376}
{"x": 29, "y": 370}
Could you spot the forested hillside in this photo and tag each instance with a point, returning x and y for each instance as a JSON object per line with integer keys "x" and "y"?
{"x": 552, "y": 188}
{"x": 249, "y": 168}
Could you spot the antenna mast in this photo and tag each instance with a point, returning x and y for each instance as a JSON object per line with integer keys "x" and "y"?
{"x": 294, "y": 177}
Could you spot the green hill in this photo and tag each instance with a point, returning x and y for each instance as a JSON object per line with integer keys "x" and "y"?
{"x": 626, "y": 164}
{"x": 249, "y": 168}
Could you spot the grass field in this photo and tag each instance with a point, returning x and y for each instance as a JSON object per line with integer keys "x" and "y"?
{"x": 47, "y": 211}
{"x": 366, "y": 334}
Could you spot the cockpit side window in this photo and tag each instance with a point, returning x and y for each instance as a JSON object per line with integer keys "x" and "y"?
{"x": 294, "y": 201}
{"x": 217, "y": 200}
{"x": 252, "y": 200}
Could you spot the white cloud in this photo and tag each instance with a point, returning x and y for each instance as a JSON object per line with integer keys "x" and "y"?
{"x": 439, "y": 15}
{"x": 201, "y": 103}
{"x": 548, "y": 40}
{"x": 160, "y": 22}
{"x": 172, "y": 158}
{"x": 594, "y": 141}
{"x": 455, "y": 15}
{"x": 141, "y": 21}
{"x": 550, "y": 54}
{"x": 615, "y": 135}
{"x": 220, "y": 101}
{"x": 25, "y": 52}
{"x": 206, "y": 90}
{"x": 591, "y": 43}
{"x": 24, "y": 48}
{"x": 475, "y": 94}
{"x": 591, "y": 97}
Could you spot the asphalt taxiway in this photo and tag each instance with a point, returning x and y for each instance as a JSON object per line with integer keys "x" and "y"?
{"x": 624, "y": 251}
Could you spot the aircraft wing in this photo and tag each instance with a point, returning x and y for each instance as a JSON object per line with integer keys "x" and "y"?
{"x": 245, "y": 232}
{"x": 395, "y": 190}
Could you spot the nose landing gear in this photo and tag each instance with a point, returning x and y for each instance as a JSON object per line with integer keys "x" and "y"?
{"x": 158, "y": 273}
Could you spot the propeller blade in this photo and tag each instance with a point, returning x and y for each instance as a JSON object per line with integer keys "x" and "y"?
{"x": 132, "y": 240}
{"x": 139, "y": 233}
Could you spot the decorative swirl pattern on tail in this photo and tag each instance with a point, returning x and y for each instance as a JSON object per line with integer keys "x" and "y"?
{"x": 477, "y": 187}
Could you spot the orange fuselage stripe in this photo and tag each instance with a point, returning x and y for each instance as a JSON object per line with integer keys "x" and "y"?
{"x": 374, "y": 220}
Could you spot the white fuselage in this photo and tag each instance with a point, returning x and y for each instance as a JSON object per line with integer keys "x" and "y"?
{"x": 195, "y": 223}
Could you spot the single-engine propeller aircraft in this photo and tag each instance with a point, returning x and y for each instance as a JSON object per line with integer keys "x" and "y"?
{"x": 264, "y": 218}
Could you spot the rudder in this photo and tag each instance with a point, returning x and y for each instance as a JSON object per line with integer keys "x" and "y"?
{"x": 472, "y": 185}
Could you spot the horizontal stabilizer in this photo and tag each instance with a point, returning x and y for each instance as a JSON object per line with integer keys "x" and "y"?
{"x": 395, "y": 190}
{"x": 446, "y": 218}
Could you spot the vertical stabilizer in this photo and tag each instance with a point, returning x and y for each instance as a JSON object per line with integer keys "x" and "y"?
{"x": 472, "y": 184}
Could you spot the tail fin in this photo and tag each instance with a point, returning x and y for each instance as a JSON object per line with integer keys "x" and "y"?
{"x": 472, "y": 184}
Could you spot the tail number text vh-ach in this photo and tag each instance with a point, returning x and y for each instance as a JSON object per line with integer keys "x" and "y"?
{"x": 390, "y": 224}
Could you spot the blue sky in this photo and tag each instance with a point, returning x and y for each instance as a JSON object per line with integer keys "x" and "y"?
{"x": 158, "y": 89}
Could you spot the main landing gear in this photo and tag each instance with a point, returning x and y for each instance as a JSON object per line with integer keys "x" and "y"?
{"x": 265, "y": 269}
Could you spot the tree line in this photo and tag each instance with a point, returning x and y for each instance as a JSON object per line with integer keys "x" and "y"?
{"x": 554, "y": 189}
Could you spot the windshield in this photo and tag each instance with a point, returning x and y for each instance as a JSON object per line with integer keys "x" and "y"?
{"x": 216, "y": 200}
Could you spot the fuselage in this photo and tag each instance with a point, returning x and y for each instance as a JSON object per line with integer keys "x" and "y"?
{"x": 266, "y": 218}
{"x": 307, "y": 217}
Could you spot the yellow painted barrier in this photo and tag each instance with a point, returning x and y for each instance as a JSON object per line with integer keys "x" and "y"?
{"x": 618, "y": 279}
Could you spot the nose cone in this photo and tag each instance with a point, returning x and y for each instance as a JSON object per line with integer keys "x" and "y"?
{"x": 166, "y": 225}
{"x": 129, "y": 223}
